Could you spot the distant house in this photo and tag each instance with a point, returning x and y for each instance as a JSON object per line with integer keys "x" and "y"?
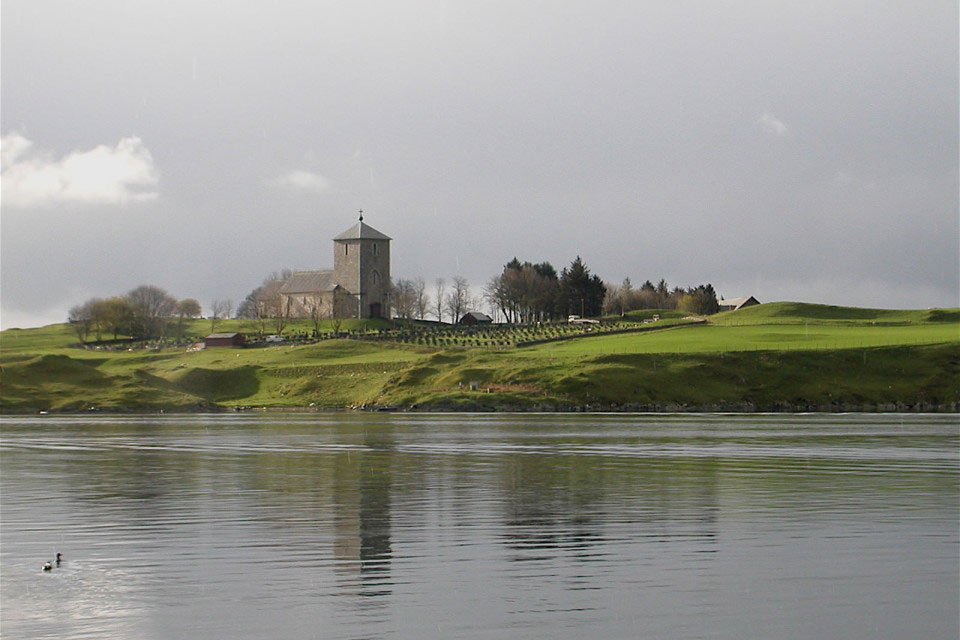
{"x": 224, "y": 340}
{"x": 475, "y": 317}
{"x": 737, "y": 303}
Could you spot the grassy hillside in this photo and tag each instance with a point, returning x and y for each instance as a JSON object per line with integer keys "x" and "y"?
{"x": 61, "y": 336}
{"x": 805, "y": 313}
{"x": 779, "y": 355}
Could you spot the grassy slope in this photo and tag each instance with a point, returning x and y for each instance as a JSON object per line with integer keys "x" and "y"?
{"x": 767, "y": 356}
{"x": 331, "y": 373}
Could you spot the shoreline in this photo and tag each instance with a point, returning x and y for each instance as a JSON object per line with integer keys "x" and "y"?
{"x": 732, "y": 409}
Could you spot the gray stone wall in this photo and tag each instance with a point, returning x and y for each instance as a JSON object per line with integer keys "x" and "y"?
{"x": 362, "y": 268}
{"x": 301, "y": 304}
{"x": 375, "y": 275}
{"x": 346, "y": 264}
{"x": 344, "y": 305}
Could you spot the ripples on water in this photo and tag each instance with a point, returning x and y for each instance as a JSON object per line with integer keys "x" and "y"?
{"x": 412, "y": 526}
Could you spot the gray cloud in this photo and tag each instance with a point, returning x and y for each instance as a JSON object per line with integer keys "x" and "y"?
{"x": 789, "y": 150}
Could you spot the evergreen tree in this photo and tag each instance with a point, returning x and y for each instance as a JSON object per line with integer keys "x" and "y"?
{"x": 580, "y": 292}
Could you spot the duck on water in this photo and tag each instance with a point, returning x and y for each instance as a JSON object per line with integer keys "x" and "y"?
{"x": 47, "y": 566}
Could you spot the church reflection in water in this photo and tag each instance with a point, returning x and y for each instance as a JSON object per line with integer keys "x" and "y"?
{"x": 361, "y": 527}
{"x": 544, "y": 506}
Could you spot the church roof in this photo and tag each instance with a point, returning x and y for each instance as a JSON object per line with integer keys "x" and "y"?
{"x": 362, "y": 231}
{"x": 309, "y": 282}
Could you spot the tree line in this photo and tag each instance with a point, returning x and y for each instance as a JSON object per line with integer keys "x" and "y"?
{"x": 142, "y": 313}
{"x": 522, "y": 293}
{"x": 411, "y": 300}
{"x": 526, "y": 292}
{"x": 699, "y": 300}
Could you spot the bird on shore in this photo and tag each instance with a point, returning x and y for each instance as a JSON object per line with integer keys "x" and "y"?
{"x": 47, "y": 566}
{"x": 59, "y": 556}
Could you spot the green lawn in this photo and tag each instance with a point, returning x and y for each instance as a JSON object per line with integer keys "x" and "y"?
{"x": 61, "y": 336}
{"x": 330, "y": 373}
{"x": 755, "y": 337}
{"x": 775, "y": 355}
{"x": 806, "y": 313}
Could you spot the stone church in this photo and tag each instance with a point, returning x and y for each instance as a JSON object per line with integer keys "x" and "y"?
{"x": 358, "y": 286}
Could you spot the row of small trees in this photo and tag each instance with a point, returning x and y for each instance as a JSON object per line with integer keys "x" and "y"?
{"x": 143, "y": 313}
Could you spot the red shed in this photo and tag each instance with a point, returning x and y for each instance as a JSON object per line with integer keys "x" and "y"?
{"x": 224, "y": 340}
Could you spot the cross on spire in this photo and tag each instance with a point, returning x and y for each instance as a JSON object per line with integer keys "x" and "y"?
{"x": 361, "y": 215}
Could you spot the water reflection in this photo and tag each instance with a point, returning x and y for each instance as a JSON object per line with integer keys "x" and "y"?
{"x": 419, "y": 526}
{"x": 362, "y": 488}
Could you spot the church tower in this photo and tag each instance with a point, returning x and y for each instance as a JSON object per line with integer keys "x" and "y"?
{"x": 361, "y": 266}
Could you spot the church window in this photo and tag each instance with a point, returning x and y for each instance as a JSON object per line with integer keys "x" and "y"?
{"x": 346, "y": 249}
{"x": 376, "y": 277}
{"x": 374, "y": 248}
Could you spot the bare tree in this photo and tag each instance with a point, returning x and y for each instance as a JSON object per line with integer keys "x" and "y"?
{"x": 268, "y": 303}
{"x": 265, "y": 302}
{"x": 219, "y": 309}
{"x": 335, "y": 324}
{"x": 458, "y": 300}
{"x": 496, "y": 296}
{"x": 315, "y": 308}
{"x": 421, "y": 297}
{"x": 613, "y": 302}
{"x": 404, "y": 299}
{"x": 80, "y": 319}
{"x": 439, "y": 289}
{"x": 260, "y": 305}
{"x": 281, "y": 312}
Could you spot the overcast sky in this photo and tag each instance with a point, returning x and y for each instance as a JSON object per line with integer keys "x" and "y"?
{"x": 787, "y": 150}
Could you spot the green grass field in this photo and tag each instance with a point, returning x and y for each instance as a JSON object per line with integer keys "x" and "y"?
{"x": 777, "y": 355}
{"x": 712, "y": 338}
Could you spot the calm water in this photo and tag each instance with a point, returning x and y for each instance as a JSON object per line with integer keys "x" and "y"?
{"x": 480, "y": 526}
